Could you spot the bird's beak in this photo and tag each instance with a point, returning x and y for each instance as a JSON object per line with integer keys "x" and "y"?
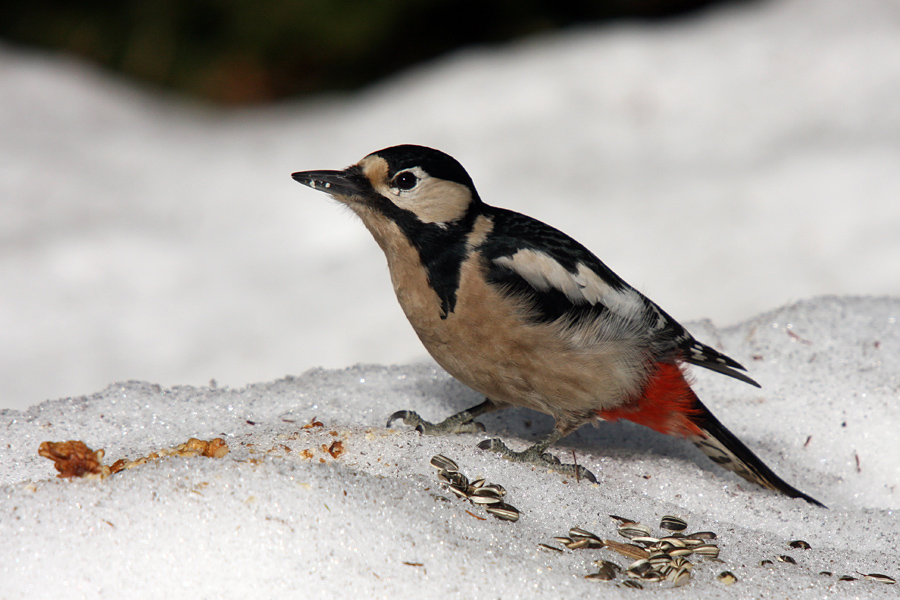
{"x": 347, "y": 183}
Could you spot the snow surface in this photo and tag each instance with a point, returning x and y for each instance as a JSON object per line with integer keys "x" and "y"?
{"x": 724, "y": 164}
{"x": 265, "y": 522}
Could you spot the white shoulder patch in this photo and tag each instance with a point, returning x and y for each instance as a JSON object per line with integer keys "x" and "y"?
{"x": 584, "y": 286}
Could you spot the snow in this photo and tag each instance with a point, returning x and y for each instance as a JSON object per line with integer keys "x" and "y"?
{"x": 148, "y": 239}
{"x": 268, "y": 521}
{"x": 724, "y": 164}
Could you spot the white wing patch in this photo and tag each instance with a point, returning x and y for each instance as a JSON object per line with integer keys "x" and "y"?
{"x": 584, "y": 286}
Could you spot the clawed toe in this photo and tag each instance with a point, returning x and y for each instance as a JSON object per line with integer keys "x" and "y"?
{"x": 448, "y": 426}
{"x": 536, "y": 455}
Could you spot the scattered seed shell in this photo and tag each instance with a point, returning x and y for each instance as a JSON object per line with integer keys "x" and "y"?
{"x": 701, "y": 535}
{"x": 632, "y": 584}
{"x": 549, "y": 547}
{"x": 645, "y": 540}
{"x": 846, "y": 578}
{"x": 726, "y": 577}
{"x": 621, "y": 520}
{"x": 707, "y": 550}
{"x": 786, "y": 559}
{"x": 633, "y": 530}
{"x": 880, "y": 578}
{"x": 478, "y": 499}
{"x": 682, "y": 577}
{"x": 765, "y": 563}
{"x": 673, "y": 523}
{"x": 578, "y": 532}
{"x": 441, "y": 462}
{"x": 504, "y": 512}
{"x": 601, "y": 576}
{"x": 800, "y": 544}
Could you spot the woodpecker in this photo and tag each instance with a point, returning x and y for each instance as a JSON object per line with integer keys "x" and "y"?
{"x": 527, "y": 316}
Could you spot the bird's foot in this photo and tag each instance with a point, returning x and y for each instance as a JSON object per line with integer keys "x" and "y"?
{"x": 536, "y": 456}
{"x": 458, "y": 423}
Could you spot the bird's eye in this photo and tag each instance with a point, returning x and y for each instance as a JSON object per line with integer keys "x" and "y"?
{"x": 405, "y": 181}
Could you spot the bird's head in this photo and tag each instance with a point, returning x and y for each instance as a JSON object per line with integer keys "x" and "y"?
{"x": 402, "y": 183}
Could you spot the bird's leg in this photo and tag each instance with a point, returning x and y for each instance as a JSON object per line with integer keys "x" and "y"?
{"x": 537, "y": 455}
{"x": 461, "y": 422}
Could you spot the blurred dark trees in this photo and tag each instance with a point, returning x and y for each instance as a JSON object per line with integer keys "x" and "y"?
{"x": 247, "y": 51}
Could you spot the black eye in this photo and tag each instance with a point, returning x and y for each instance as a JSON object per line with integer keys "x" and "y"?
{"x": 405, "y": 181}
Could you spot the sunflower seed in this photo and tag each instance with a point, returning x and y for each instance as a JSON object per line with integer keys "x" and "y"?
{"x": 679, "y": 562}
{"x": 826, "y": 573}
{"x": 682, "y": 577}
{"x": 726, "y": 577}
{"x": 652, "y": 576}
{"x": 565, "y": 541}
{"x": 504, "y": 512}
{"x": 765, "y": 563}
{"x": 578, "y": 532}
{"x": 494, "y": 488}
{"x": 441, "y": 462}
{"x": 459, "y": 492}
{"x": 681, "y": 552}
{"x": 621, "y": 520}
{"x": 799, "y": 544}
{"x": 476, "y": 483}
{"x": 645, "y": 540}
{"x": 880, "y": 578}
{"x": 481, "y": 499}
{"x": 707, "y": 550}
{"x": 601, "y": 576}
{"x": 632, "y": 584}
{"x": 673, "y": 523}
{"x": 786, "y": 559}
{"x": 578, "y": 544}
{"x": 633, "y": 530}
{"x": 673, "y": 542}
{"x": 659, "y": 559}
{"x": 701, "y": 535}
{"x": 549, "y": 548}
{"x": 639, "y": 566}
{"x": 608, "y": 564}
{"x": 454, "y": 478}
{"x": 846, "y": 578}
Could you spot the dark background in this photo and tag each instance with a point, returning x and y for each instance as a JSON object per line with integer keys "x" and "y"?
{"x": 246, "y": 52}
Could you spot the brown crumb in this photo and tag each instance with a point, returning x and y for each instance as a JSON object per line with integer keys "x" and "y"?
{"x": 313, "y": 423}
{"x": 75, "y": 459}
{"x": 336, "y": 449}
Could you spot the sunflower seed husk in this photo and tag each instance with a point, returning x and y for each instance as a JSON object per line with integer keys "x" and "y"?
{"x": 481, "y": 499}
{"x": 673, "y": 541}
{"x": 621, "y": 520}
{"x": 765, "y": 563}
{"x": 701, "y": 535}
{"x": 549, "y": 547}
{"x": 645, "y": 540}
{"x": 578, "y": 532}
{"x": 826, "y": 573}
{"x": 608, "y": 564}
{"x": 565, "y": 541}
{"x": 726, "y": 577}
{"x": 680, "y": 552}
{"x": 632, "y": 584}
{"x": 673, "y": 523}
{"x": 578, "y": 544}
{"x": 692, "y": 543}
{"x": 504, "y": 512}
{"x": 601, "y": 576}
{"x": 880, "y": 578}
{"x": 707, "y": 550}
{"x": 494, "y": 488}
{"x": 477, "y": 483}
{"x": 652, "y": 576}
{"x": 800, "y": 544}
{"x": 454, "y": 478}
{"x": 682, "y": 577}
{"x": 786, "y": 559}
{"x": 441, "y": 462}
{"x": 659, "y": 559}
{"x": 639, "y": 566}
{"x": 846, "y": 578}
{"x": 633, "y": 530}
{"x": 459, "y": 492}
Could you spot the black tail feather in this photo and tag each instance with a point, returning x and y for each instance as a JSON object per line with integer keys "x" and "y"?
{"x": 722, "y": 447}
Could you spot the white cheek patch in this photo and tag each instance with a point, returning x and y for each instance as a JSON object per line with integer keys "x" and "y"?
{"x": 584, "y": 286}
{"x": 434, "y": 200}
